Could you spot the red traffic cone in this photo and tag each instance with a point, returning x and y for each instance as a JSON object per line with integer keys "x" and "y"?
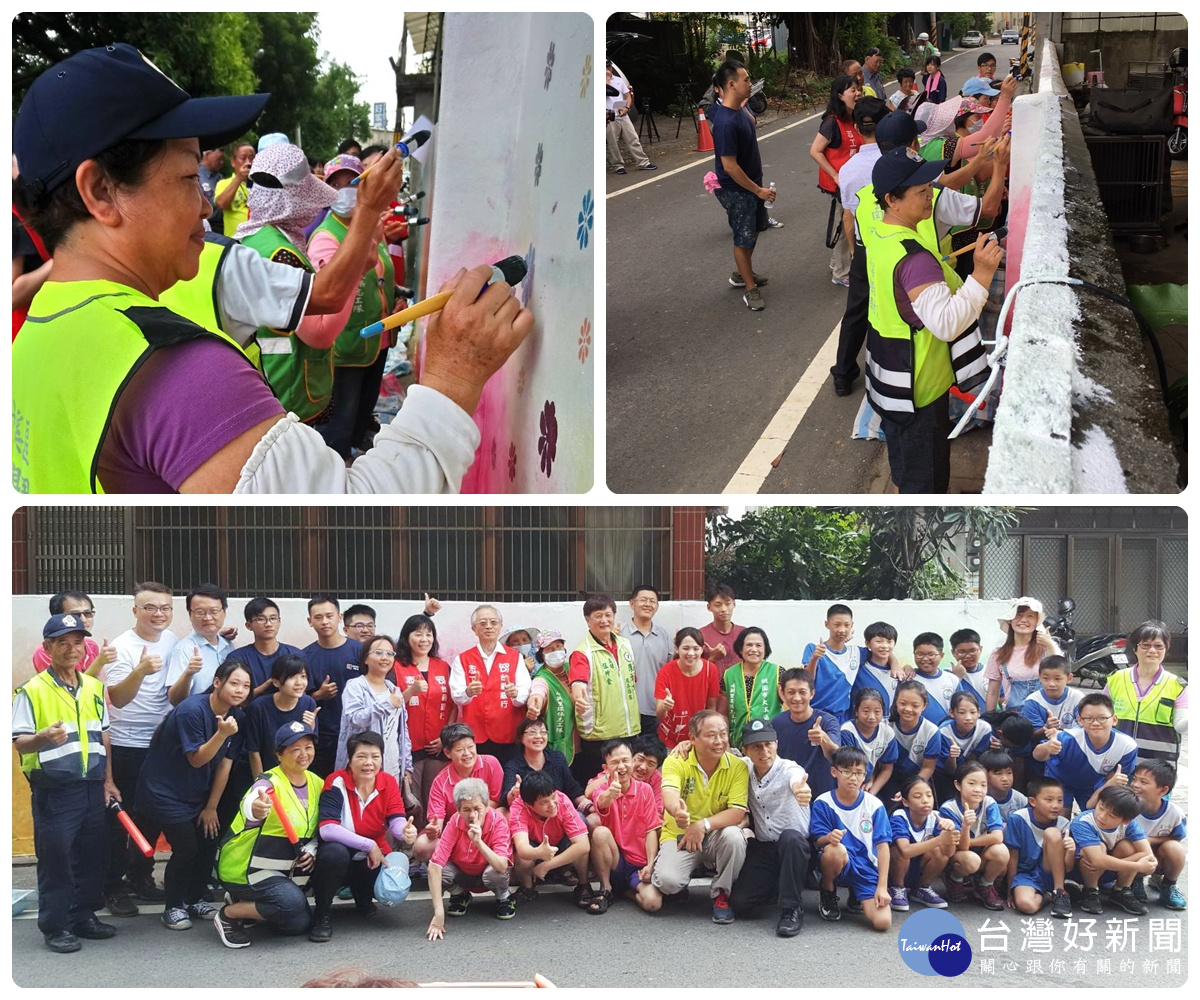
{"x": 704, "y": 143}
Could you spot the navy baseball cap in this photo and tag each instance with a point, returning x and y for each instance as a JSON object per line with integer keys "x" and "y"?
{"x": 759, "y": 731}
{"x": 902, "y": 167}
{"x": 60, "y": 625}
{"x": 899, "y": 128}
{"x": 96, "y": 98}
{"x": 290, "y": 732}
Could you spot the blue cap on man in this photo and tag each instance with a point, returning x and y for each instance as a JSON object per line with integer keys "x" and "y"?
{"x": 60, "y": 625}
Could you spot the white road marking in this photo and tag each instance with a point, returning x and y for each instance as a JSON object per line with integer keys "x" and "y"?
{"x": 755, "y": 468}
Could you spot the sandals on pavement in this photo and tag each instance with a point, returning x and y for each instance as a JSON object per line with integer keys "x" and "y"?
{"x": 583, "y": 896}
{"x": 600, "y": 903}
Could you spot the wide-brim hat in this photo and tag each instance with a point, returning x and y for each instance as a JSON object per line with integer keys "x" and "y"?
{"x": 1032, "y": 603}
{"x": 939, "y": 119}
{"x": 533, "y": 633}
{"x": 548, "y": 636}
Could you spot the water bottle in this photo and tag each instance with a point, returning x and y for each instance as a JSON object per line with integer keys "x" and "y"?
{"x": 772, "y": 187}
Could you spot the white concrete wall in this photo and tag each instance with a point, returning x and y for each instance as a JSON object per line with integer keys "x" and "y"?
{"x": 789, "y": 624}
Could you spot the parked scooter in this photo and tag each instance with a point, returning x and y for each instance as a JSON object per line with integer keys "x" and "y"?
{"x": 1177, "y": 143}
{"x": 757, "y": 102}
{"x": 1093, "y": 659}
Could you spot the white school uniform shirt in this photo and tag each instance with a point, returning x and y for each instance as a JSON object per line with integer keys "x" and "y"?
{"x": 1170, "y": 822}
{"x": 133, "y": 725}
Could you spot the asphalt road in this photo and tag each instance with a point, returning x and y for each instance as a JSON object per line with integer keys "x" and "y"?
{"x": 694, "y": 377}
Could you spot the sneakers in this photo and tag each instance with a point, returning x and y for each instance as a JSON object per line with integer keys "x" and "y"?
{"x": 899, "y": 896}
{"x": 843, "y": 282}
{"x": 176, "y": 919}
{"x": 722, "y": 914}
{"x": 232, "y": 932}
{"x": 1139, "y": 889}
{"x": 648, "y": 166}
{"x": 202, "y": 910}
{"x": 791, "y": 919}
{"x": 957, "y": 892}
{"x": 92, "y": 929}
{"x": 506, "y": 908}
{"x": 774, "y": 223}
{"x": 120, "y": 904}
{"x": 459, "y": 902}
{"x": 147, "y": 890}
{"x": 829, "y": 908}
{"x": 990, "y": 896}
{"x": 1125, "y": 899}
{"x": 927, "y": 897}
{"x": 322, "y": 929}
{"x": 1089, "y": 902}
{"x": 853, "y": 903}
{"x": 754, "y": 300}
{"x": 735, "y": 279}
{"x": 621, "y": 170}
{"x": 1060, "y": 904}
{"x": 1170, "y": 897}
{"x": 345, "y": 892}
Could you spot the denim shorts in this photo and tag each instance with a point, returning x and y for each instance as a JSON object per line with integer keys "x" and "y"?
{"x": 747, "y": 215}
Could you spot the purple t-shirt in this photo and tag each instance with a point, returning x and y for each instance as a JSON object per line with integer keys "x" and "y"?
{"x": 183, "y": 406}
{"x": 913, "y": 271}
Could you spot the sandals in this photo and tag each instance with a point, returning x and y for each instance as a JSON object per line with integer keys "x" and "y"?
{"x": 568, "y": 876}
{"x": 524, "y": 895}
{"x": 600, "y": 903}
{"x": 583, "y": 896}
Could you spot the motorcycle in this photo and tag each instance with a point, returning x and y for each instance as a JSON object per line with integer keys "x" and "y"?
{"x": 1177, "y": 143}
{"x": 1093, "y": 659}
{"x": 757, "y": 102}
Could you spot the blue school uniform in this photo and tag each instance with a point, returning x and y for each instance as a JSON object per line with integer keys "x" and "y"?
{"x": 880, "y": 747}
{"x": 903, "y": 828}
{"x": 1011, "y": 803}
{"x": 834, "y": 677}
{"x": 924, "y": 741}
{"x": 987, "y": 816}
{"x": 872, "y": 675}
{"x": 940, "y": 688}
{"x": 1082, "y": 769}
{"x": 1167, "y": 821}
{"x": 1039, "y": 705}
{"x": 1025, "y": 834}
{"x": 975, "y": 684}
{"x": 866, "y": 825}
{"x": 1086, "y": 832}
{"x": 971, "y": 745}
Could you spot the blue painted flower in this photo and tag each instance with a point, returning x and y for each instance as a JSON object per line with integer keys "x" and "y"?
{"x": 586, "y": 218}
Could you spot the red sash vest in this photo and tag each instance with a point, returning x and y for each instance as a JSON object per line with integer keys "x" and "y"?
{"x": 491, "y": 715}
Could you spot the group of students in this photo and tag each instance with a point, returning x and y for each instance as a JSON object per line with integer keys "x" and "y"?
{"x": 359, "y": 758}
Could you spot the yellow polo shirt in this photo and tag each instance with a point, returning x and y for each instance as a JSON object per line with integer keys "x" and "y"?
{"x": 728, "y": 787}
{"x": 239, "y": 211}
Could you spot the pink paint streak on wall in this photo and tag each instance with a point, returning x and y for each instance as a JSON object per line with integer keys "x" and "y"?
{"x": 513, "y": 175}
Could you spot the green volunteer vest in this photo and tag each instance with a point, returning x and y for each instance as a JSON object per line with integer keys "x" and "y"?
{"x": 1151, "y": 721}
{"x": 764, "y": 698}
{"x": 82, "y": 756}
{"x": 197, "y": 299}
{"x": 251, "y": 856}
{"x": 80, "y": 346}
{"x": 301, "y": 376}
{"x": 559, "y": 712}
{"x": 614, "y": 710}
{"x": 375, "y": 299}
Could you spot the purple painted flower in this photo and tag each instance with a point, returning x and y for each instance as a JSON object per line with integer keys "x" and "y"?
{"x": 512, "y": 462}
{"x": 548, "y": 441}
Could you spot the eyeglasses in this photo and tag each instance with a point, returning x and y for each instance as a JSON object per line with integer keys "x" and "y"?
{"x": 387, "y": 654}
{"x": 488, "y": 622}
{"x": 1094, "y": 720}
{"x": 85, "y": 614}
{"x": 362, "y": 626}
{"x": 263, "y": 620}
{"x": 205, "y": 615}
{"x": 1157, "y": 647}
{"x": 851, "y": 774}
{"x": 155, "y": 609}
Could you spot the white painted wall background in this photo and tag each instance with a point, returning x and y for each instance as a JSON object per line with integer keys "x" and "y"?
{"x": 789, "y": 624}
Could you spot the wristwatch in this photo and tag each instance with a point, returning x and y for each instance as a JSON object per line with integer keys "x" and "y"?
{"x": 707, "y": 825}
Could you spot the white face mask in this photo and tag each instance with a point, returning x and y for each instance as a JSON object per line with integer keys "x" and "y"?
{"x": 556, "y": 658}
{"x": 975, "y": 126}
{"x": 343, "y": 205}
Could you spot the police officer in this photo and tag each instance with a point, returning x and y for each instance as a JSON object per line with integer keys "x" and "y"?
{"x": 60, "y": 729}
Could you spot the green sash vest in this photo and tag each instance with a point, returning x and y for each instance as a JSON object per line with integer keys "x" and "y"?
{"x": 301, "y": 376}
{"x": 614, "y": 708}
{"x": 764, "y": 698}
{"x": 375, "y": 299}
{"x": 197, "y": 299}
{"x": 560, "y": 713}
{"x": 81, "y": 345}
{"x": 251, "y": 856}
{"x": 82, "y": 756}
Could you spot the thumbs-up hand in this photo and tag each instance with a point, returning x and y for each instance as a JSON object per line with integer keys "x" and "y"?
{"x": 1054, "y": 744}
{"x": 820, "y": 649}
{"x": 410, "y": 832}
{"x": 955, "y": 751}
{"x": 1068, "y": 843}
{"x": 816, "y": 735}
{"x": 668, "y": 701}
{"x": 835, "y": 836}
{"x": 56, "y": 734}
{"x": 681, "y": 814}
{"x": 309, "y": 718}
{"x": 421, "y": 684}
{"x": 1117, "y": 778}
{"x": 546, "y": 850}
{"x": 1052, "y": 723}
{"x": 475, "y": 687}
{"x": 261, "y": 805}
{"x": 149, "y": 663}
{"x": 514, "y": 791}
{"x": 226, "y": 725}
{"x": 802, "y": 792}
{"x": 510, "y": 689}
{"x": 108, "y": 652}
{"x": 195, "y": 662}
{"x": 968, "y": 818}
{"x": 432, "y": 605}
{"x": 533, "y": 708}
{"x": 719, "y": 651}
{"x": 327, "y": 690}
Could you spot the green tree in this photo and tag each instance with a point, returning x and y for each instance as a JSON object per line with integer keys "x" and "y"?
{"x": 335, "y": 114}
{"x": 287, "y": 64}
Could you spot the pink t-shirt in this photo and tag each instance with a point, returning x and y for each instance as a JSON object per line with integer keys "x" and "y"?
{"x": 655, "y": 784}
{"x": 456, "y": 846}
{"x": 714, "y": 638}
{"x": 91, "y": 649}
{"x": 631, "y": 817}
{"x": 318, "y": 329}
{"x": 1017, "y": 670}
{"x": 568, "y": 823}
{"x": 441, "y": 792}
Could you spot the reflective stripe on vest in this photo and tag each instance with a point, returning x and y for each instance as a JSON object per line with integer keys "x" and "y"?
{"x": 81, "y": 345}
{"x": 250, "y": 856}
{"x": 611, "y": 685}
{"x": 375, "y": 299}
{"x": 1150, "y": 720}
{"x": 198, "y": 299}
{"x": 301, "y": 376}
{"x": 82, "y": 756}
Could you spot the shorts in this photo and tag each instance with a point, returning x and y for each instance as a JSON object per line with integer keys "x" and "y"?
{"x": 1038, "y": 880}
{"x": 859, "y": 876}
{"x": 747, "y": 215}
{"x": 626, "y": 874}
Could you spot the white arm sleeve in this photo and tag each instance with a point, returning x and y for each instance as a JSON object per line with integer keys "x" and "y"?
{"x": 426, "y": 449}
{"x": 253, "y": 292}
{"x": 947, "y": 314}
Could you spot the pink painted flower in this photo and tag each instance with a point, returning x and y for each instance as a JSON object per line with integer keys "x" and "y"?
{"x": 585, "y": 340}
{"x": 548, "y": 441}
{"x": 512, "y": 462}
{"x": 493, "y": 454}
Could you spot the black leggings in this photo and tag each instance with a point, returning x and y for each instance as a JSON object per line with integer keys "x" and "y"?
{"x": 192, "y": 856}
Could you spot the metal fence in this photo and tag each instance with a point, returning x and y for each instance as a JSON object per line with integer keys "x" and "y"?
{"x": 1134, "y": 21}
{"x": 456, "y": 553}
